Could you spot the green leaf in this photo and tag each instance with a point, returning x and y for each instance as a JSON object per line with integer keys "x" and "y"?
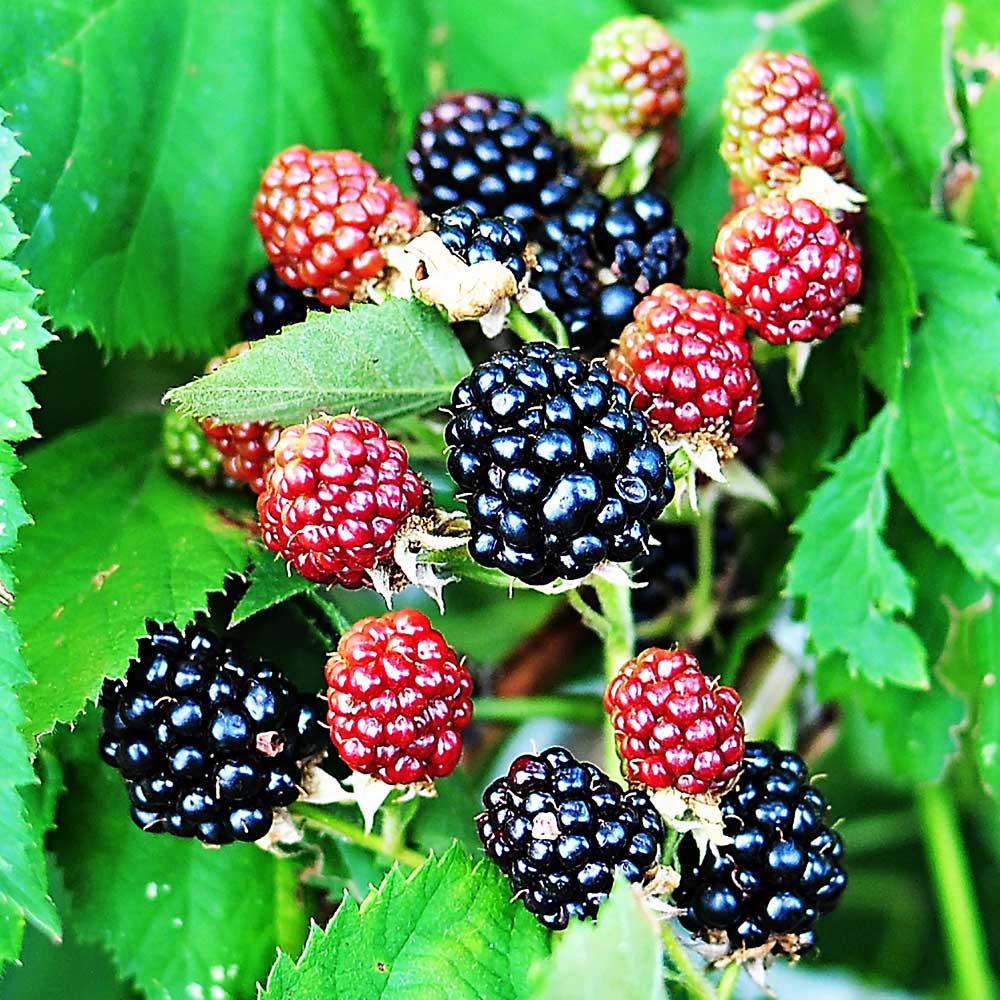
{"x": 944, "y": 454}
{"x": 450, "y": 922}
{"x": 117, "y": 540}
{"x": 271, "y": 583}
{"x": 984, "y": 127}
{"x": 620, "y": 956}
{"x": 853, "y": 585}
{"x": 143, "y": 170}
{"x": 890, "y": 308}
{"x": 22, "y": 874}
{"x": 387, "y": 360}
{"x": 918, "y": 87}
{"x": 180, "y": 919}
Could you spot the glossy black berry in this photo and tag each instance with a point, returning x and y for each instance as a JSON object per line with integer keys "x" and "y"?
{"x": 559, "y": 829}
{"x": 599, "y": 258}
{"x": 558, "y": 473}
{"x": 476, "y": 238}
{"x": 783, "y": 869}
{"x": 494, "y": 156}
{"x": 273, "y": 305}
{"x": 208, "y": 744}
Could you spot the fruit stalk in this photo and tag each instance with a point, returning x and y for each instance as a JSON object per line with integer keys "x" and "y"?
{"x": 688, "y": 973}
{"x": 619, "y": 645}
{"x": 325, "y": 820}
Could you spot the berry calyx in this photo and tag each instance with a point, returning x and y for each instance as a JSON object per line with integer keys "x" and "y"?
{"x": 558, "y": 473}
{"x": 336, "y": 496}
{"x": 599, "y": 258}
{"x": 783, "y": 870}
{"x": 687, "y": 364}
{"x": 325, "y": 217}
{"x": 777, "y": 118}
{"x": 674, "y": 727}
{"x": 208, "y": 744}
{"x": 273, "y": 305}
{"x": 492, "y": 155}
{"x": 631, "y": 83}
{"x": 246, "y": 447}
{"x": 399, "y": 699}
{"x": 560, "y": 829}
{"x": 787, "y": 269}
{"x": 186, "y": 449}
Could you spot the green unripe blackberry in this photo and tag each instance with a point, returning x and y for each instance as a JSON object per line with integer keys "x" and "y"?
{"x": 187, "y": 451}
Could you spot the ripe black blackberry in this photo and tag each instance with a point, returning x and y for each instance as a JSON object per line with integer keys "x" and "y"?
{"x": 494, "y": 156}
{"x": 273, "y": 305}
{"x": 599, "y": 258}
{"x": 475, "y": 238}
{"x": 559, "y": 828}
{"x": 782, "y": 871}
{"x": 558, "y": 472}
{"x": 208, "y": 745}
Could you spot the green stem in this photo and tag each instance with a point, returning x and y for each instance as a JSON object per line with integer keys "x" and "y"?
{"x": 573, "y": 707}
{"x": 619, "y": 645}
{"x": 523, "y": 327}
{"x": 691, "y": 977}
{"x": 325, "y": 820}
{"x": 290, "y": 916}
{"x": 591, "y": 618}
{"x": 702, "y": 614}
{"x": 963, "y": 927}
{"x": 728, "y": 981}
{"x": 792, "y": 14}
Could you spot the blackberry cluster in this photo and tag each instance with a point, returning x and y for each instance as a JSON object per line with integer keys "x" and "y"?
{"x": 598, "y": 259}
{"x": 273, "y": 305}
{"x": 475, "y": 238}
{"x": 558, "y": 472}
{"x": 208, "y": 745}
{"x": 494, "y": 156}
{"x": 782, "y": 871}
{"x": 559, "y": 829}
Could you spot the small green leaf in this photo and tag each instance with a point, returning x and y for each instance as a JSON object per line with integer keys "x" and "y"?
{"x": 984, "y": 127}
{"x": 179, "y": 919}
{"x": 117, "y": 540}
{"x": 271, "y": 582}
{"x": 944, "y": 454}
{"x": 853, "y": 585}
{"x": 387, "y": 360}
{"x": 450, "y": 922}
{"x": 620, "y": 956}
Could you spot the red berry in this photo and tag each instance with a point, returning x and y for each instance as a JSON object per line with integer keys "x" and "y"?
{"x": 686, "y": 362}
{"x": 787, "y": 269}
{"x": 324, "y": 217}
{"x": 247, "y": 448}
{"x": 777, "y": 119}
{"x": 335, "y": 498}
{"x": 399, "y": 699}
{"x": 674, "y": 727}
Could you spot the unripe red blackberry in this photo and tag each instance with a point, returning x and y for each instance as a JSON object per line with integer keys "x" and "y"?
{"x": 787, "y": 269}
{"x": 492, "y": 155}
{"x": 777, "y": 119}
{"x": 674, "y": 727}
{"x": 631, "y": 83}
{"x": 560, "y": 829}
{"x": 783, "y": 869}
{"x": 247, "y": 448}
{"x": 209, "y": 744}
{"x": 399, "y": 699}
{"x": 686, "y": 363}
{"x": 325, "y": 216}
{"x": 335, "y": 497}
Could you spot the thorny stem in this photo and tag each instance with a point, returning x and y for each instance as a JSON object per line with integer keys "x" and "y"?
{"x": 619, "y": 645}
{"x": 963, "y": 927}
{"x": 325, "y": 820}
{"x": 572, "y": 707}
{"x": 691, "y": 976}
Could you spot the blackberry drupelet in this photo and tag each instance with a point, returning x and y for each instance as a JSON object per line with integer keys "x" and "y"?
{"x": 598, "y": 259}
{"x": 782, "y": 871}
{"x": 559, "y": 828}
{"x": 273, "y": 305}
{"x": 558, "y": 472}
{"x": 494, "y": 156}
{"x": 208, "y": 744}
{"x": 475, "y": 238}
